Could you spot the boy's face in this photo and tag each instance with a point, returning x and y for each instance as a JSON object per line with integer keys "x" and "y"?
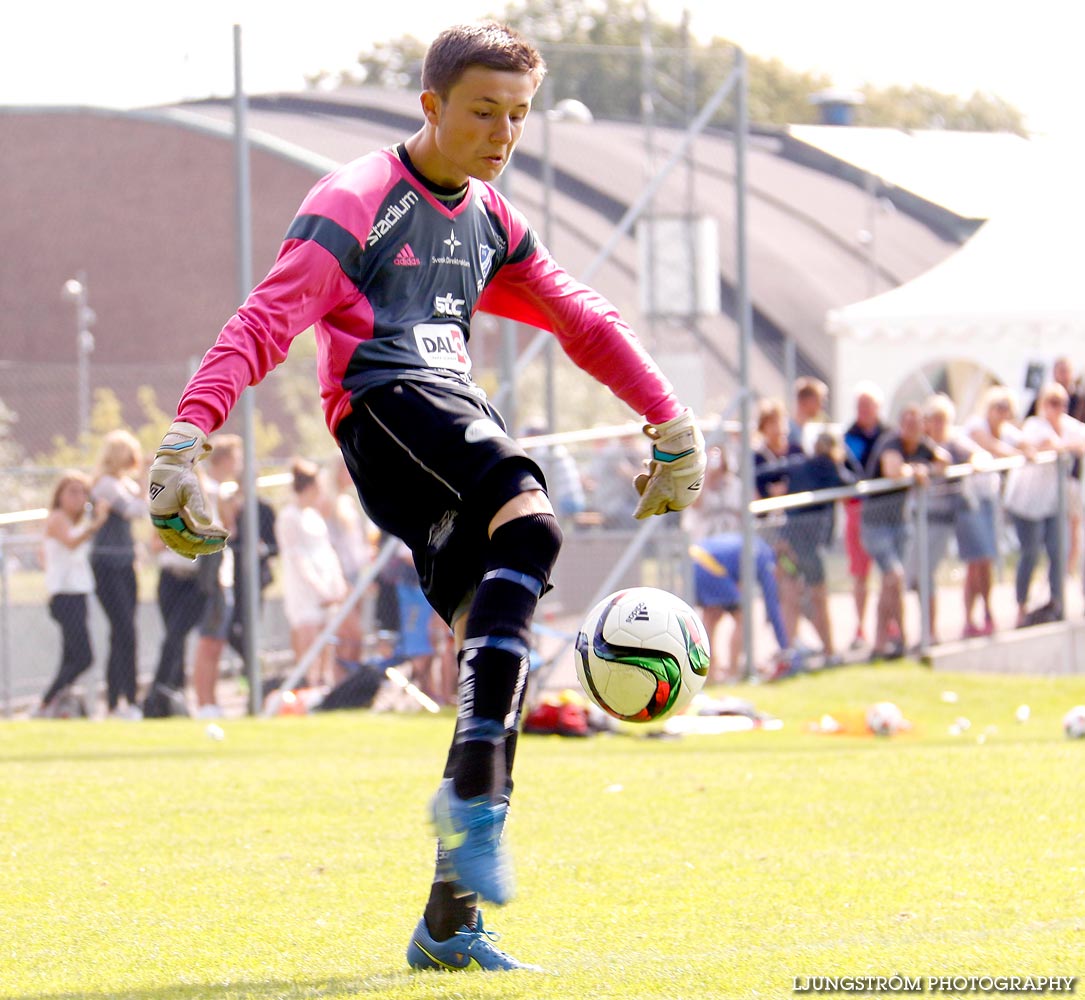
{"x": 478, "y": 125}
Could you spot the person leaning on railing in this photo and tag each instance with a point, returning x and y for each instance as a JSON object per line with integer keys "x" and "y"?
{"x": 906, "y": 454}
{"x": 994, "y": 430}
{"x": 1032, "y": 496}
{"x": 809, "y": 530}
{"x": 947, "y": 499}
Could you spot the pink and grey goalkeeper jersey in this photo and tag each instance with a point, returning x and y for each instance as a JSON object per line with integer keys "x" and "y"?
{"x": 388, "y": 276}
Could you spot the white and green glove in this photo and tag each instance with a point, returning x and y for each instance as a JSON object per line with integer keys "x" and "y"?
{"x": 178, "y": 506}
{"x": 676, "y": 468}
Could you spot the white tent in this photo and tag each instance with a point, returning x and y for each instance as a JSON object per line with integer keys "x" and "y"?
{"x": 1012, "y": 297}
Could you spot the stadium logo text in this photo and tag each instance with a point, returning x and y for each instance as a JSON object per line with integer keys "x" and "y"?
{"x": 384, "y": 225}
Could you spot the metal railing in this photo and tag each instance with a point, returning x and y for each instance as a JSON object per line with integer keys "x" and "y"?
{"x": 595, "y": 561}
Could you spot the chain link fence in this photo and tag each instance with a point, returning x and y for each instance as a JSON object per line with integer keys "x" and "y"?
{"x": 816, "y": 590}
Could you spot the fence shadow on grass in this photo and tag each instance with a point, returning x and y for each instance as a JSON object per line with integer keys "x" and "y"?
{"x": 268, "y": 990}
{"x": 477, "y": 985}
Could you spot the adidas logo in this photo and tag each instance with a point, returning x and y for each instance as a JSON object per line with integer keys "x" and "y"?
{"x": 406, "y": 257}
{"x": 638, "y": 614}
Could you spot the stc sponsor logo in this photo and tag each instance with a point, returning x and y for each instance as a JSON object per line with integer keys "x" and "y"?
{"x": 387, "y": 222}
{"x": 446, "y": 305}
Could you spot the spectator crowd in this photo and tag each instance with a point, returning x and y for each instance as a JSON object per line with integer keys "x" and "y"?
{"x": 984, "y": 510}
{"x": 318, "y": 544}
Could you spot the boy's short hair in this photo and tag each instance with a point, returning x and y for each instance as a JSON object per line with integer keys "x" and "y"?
{"x": 489, "y": 44}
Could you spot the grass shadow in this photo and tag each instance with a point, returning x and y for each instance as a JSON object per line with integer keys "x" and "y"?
{"x": 270, "y": 990}
{"x": 475, "y": 984}
{"x": 131, "y": 753}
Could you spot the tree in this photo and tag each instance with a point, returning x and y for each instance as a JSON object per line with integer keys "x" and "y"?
{"x": 396, "y": 64}
{"x": 11, "y": 454}
{"x": 107, "y": 415}
{"x": 593, "y": 49}
{"x": 923, "y": 108}
{"x": 298, "y": 389}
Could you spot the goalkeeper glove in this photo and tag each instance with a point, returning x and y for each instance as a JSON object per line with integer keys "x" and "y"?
{"x": 178, "y": 507}
{"x": 676, "y": 468}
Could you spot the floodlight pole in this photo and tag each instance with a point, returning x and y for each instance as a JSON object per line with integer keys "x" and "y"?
{"x": 75, "y": 290}
{"x": 648, "y": 119}
{"x": 249, "y": 553}
{"x": 747, "y": 572}
{"x": 548, "y": 233}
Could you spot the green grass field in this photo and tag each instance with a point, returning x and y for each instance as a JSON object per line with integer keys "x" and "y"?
{"x": 291, "y": 859}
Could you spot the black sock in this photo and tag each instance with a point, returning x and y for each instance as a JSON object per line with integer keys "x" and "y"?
{"x": 493, "y": 661}
{"x": 446, "y": 912}
{"x": 480, "y": 769}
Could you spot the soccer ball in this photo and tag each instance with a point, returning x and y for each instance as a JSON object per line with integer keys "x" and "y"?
{"x": 884, "y": 718}
{"x": 642, "y": 654}
{"x": 1073, "y": 722}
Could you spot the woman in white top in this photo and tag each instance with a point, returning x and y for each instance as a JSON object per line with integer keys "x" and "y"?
{"x": 68, "y": 579}
{"x": 1032, "y": 493}
{"x": 313, "y": 581}
{"x": 348, "y": 532}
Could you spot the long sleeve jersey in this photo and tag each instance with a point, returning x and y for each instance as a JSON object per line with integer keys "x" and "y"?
{"x": 388, "y": 276}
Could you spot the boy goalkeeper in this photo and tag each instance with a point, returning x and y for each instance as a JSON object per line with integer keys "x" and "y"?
{"x": 388, "y": 259}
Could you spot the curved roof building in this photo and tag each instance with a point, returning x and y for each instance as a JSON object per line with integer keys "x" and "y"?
{"x": 143, "y": 205}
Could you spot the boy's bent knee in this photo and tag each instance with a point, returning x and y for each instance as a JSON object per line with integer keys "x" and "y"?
{"x": 529, "y": 543}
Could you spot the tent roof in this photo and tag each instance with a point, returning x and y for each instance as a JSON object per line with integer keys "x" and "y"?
{"x": 969, "y": 173}
{"x": 1021, "y": 272}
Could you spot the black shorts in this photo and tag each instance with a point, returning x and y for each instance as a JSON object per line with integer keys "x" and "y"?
{"x": 433, "y": 464}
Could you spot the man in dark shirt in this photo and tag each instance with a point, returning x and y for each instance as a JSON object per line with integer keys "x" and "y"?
{"x": 906, "y": 454}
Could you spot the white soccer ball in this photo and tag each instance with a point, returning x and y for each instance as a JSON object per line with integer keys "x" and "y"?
{"x": 642, "y": 654}
{"x": 884, "y": 718}
{"x": 1073, "y": 722}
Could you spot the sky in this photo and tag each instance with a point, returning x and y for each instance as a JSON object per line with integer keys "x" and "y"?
{"x": 131, "y": 53}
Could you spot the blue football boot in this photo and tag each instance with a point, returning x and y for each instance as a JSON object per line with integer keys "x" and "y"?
{"x": 470, "y": 832}
{"x": 466, "y": 949}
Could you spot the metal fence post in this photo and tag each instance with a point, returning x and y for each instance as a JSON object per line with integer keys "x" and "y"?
{"x": 1061, "y": 529}
{"x": 5, "y": 626}
{"x": 923, "y": 566}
